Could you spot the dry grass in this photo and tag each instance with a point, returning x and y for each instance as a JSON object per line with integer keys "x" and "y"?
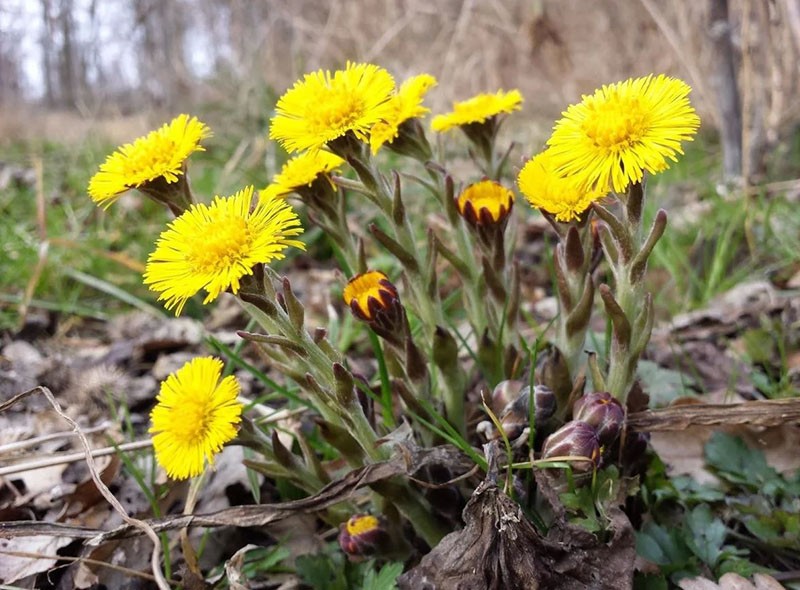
{"x": 552, "y": 50}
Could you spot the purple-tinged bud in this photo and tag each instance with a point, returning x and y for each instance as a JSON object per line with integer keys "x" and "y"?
{"x": 363, "y": 535}
{"x": 545, "y": 403}
{"x": 602, "y": 411}
{"x": 504, "y": 393}
{"x": 516, "y": 416}
{"x": 574, "y": 439}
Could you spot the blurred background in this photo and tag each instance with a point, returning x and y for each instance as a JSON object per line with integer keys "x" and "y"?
{"x": 71, "y": 67}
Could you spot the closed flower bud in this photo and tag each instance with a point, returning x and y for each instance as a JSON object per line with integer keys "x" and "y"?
{"x": 602, "y": 411}
{"x": 516, "y": 416}
{"x": 574, "y": 439}
{"x": 504, "y": 393}
{"x": 374, "y": 299}
{"x": 363, "y": 535}
{"x": 485, "y": 203}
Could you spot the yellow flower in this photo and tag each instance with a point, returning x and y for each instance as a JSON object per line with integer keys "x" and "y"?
{"x": 195, "y": 416}
{"x": 622, "y": 130}
{"x": 564, "y": 197}
{"x": 405, "y": 105}
{"x": 323, "y": 106}
{"x": 478, "y": 109}
{"x": 368, "y": 293}
{"x": 484, "y": 203}
{"x": 301, "y": 171}
{"x": 212, "y": 246}
{"x": 161, "y": 154}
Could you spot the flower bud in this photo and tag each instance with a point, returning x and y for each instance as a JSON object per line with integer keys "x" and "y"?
{"x": 516, "y": 416}
{"x": 485, "y": 203}
{"x": 504, "y": 393}
{"x": 374, "y": 299}
{"x": 363, "y": 535}
{"x": 602, "y": 411}
{"x": 576, "y": 439}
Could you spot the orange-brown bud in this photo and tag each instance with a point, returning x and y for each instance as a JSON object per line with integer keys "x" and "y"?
{"x": 374, "y": 299}
{"x": 485, "y": 203}
{"x": 363, "y": 535}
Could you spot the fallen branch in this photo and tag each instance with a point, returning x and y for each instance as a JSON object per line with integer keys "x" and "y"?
{"x": 757, "y": 413}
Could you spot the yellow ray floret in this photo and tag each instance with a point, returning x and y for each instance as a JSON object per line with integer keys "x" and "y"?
{"x": 323, "y": 106}
{"x": 478, "y": 109}
{"x": 212, "y": 247}
{"x": 159, "y": 154}
{"x": 301, "y": 171}
{"x": 564, "y": 197}
{"x": 405, "y": 105}
{"x": 613, "y": 136}
{"x": 196, "y": 414}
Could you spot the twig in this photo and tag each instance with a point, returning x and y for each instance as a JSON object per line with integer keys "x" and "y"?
{"x": 73, "y": 457}
{"x": 155, "y": 559}
{"x": 123, "y": 570}
{"x": 758, "y": 413}
{"x": 37, "y": 440}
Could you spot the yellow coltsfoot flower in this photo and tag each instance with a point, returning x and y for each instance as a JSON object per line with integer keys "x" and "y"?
{"x": 196, "y": 414}
{"x": 478, "y": 110}
{"x": 150, "y": 163}
{"x": 213, "y": 246}
{"x": 566, "y": 198}
{"x": 403, "y": 106}
{"x": 300, "y": 172}
{"x": 612, "y": 137}
{"x": 323, "y": 107}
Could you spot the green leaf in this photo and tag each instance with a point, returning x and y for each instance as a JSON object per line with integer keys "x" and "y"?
{"x": 690, "y": 491}
{"x": 664, "y": 385}
{"x": 662, "y": 547}
{"x": 737, "y": 463}
{"x": 707, "y": 534}
{"x": 385, "y": 579}
{"x": 321, "y": 572}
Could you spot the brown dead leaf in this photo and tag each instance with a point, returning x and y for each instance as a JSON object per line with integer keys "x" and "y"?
{"x": 499, "y": 548}
{"x": 21, "y": 558}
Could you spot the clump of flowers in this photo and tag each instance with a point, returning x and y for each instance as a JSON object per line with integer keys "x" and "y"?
{"x": 447, "y": 329}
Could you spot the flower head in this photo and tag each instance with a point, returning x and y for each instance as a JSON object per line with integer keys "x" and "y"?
{"x": 213, "y": 246}
{"x": 363, "y": 535}
{"x": 478, "y": 109}
{"x": 368, "y": 293}
{"x": 564, "y": 197}
{"x": 160, "y": 155}
{"x": 196, "y": 414}
{"x": 301, "y": 171}
{"x": 485, "y": 203}
{"x": 622, "y": 130}
{"x": 404, "y": 105}
{"x": 323, "y": 106}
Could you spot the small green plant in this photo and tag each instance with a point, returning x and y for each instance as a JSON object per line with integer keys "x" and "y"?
{"x": 438, "y": 358}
